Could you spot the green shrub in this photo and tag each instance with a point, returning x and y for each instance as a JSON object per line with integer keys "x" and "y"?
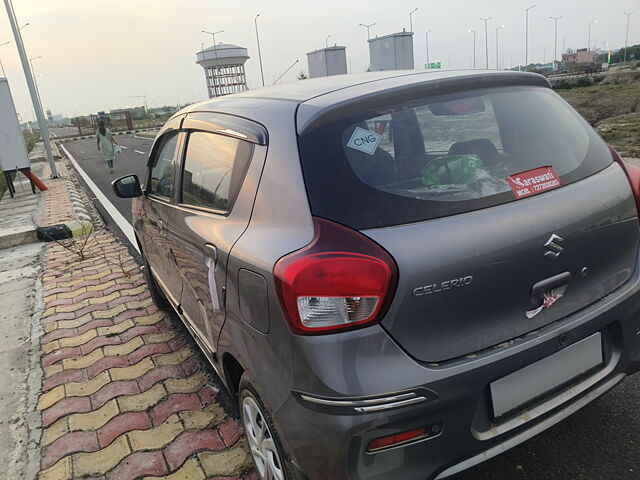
{"x": 563, "y": 85}
{"x": 584, "y": 82}
{"x": 30, "y": 139}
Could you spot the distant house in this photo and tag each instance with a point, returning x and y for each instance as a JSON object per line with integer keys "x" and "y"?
{"x": 582, "y": 55}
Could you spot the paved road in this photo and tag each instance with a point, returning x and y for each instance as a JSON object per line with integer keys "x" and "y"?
{"x": 600, "y": 442}
{"x": 132, "y": 160}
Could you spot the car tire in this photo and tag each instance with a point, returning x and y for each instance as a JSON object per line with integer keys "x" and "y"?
{"x": 266, "y": 449}
{"x": 157, "y": 294}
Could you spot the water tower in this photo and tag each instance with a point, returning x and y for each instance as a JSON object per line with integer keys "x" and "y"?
{"x": 223, "y": 68}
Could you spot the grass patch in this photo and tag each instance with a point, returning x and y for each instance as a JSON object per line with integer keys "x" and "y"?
{"x": 612, "y": 107}
{"x": 623, "y": 132}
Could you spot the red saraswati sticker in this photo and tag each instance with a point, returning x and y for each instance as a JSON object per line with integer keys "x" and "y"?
{"x": 533, "y": 181}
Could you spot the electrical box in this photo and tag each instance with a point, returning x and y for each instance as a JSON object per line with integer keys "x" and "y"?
{"x": 327, "y": 61}
{"x": 391, "y": 52}
{"x": 13, "y": 151}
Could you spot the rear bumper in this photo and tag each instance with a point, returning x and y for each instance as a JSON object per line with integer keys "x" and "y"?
{"x": 326, "y": 442}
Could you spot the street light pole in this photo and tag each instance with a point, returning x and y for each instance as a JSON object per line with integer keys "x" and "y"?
{"x": 326, "y": 41}
{"x": 589, "y": 38}
{"x": 213, "y": 34}
{"x": 367, "y": 27}
{"x": 626, "y": 37}
{"x": 427, "y": 42}
{"x": 486, "y": 41}
{"x": 526, "y": 38}
{"x": 44, "y": 130}
{"x": 555, "y": 41}
{"x": 498, "y": 48}
{"x": 474, "y": 47}
{"x": 255, "y": 21}
{"x": 411, "y": 20}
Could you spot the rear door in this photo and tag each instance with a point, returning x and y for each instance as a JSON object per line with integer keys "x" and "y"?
{"x": 212, "y": 213}
{"x": 501, "y": 207}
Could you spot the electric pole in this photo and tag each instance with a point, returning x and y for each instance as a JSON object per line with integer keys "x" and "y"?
{"x": 526, "y": 39}
{"x": 486, "y": 41}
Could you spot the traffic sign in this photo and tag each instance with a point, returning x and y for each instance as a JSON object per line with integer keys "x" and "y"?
{"x": 433, "y": 65}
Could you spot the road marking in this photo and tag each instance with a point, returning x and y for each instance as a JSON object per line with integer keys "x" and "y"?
{"x": 117, "y": 217}
{"x": 122, "y": 146}
{"x": 141, "y": 153}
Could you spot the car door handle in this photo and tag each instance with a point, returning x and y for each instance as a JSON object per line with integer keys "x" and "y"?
{"x": 210, "y": 251}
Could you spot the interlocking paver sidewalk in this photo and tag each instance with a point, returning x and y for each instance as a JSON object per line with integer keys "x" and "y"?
{"x": 125, "y": 393}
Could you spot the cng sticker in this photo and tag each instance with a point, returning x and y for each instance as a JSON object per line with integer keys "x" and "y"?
{"x": 364, "y": 140}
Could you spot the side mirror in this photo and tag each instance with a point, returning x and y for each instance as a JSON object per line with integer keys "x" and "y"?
{"x": 127, "y": 186}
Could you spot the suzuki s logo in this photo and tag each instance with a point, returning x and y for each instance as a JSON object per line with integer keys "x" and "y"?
{"x": 553, "y": 247}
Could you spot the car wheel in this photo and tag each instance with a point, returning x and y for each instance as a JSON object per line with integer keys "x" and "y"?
{"x": 264, "y": 443}
{"x": 157, "y": 295}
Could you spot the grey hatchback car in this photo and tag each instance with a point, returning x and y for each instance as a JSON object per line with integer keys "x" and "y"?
{"x": 397, "y": 274}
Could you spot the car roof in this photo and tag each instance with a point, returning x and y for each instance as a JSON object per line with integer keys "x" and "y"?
{"x": 325, "y": 90}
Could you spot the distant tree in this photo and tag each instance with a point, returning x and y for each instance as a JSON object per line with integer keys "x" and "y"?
{"x": 633, "y": 52}
{"x": 83, "y": 121}
{"x": 302, "y": 75}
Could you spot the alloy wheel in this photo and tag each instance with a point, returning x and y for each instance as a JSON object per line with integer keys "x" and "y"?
{"x": 263, "y": 448}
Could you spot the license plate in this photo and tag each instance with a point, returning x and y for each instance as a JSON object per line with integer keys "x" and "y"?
{"x": 520, "y": 387}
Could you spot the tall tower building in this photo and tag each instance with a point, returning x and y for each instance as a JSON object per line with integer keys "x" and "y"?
{"x": 223, "y": 66}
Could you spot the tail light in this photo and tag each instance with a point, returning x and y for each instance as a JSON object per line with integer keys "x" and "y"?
{"x": 341, "y": 280}
{"x": 633, "y": 174}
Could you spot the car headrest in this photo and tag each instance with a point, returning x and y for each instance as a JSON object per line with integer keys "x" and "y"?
{"x": 483, "y": 147}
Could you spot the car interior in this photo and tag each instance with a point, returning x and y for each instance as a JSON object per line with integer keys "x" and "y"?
{"x": 404, "y": 162}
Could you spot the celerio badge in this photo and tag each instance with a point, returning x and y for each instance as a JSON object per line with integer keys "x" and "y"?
{"x": 364, "y": 140}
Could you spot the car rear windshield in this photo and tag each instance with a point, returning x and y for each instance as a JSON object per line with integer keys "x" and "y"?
{"x": 430, "y": 157}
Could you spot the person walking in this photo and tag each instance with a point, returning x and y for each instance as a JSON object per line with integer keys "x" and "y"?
{"x": 105, "y": 140}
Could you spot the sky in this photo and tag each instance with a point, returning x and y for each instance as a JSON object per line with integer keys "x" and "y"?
{"x": 98, "y": 55}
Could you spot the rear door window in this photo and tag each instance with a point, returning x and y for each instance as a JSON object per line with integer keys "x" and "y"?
{"x": 443, "y": 155}
{"x": 214, "y": 167}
